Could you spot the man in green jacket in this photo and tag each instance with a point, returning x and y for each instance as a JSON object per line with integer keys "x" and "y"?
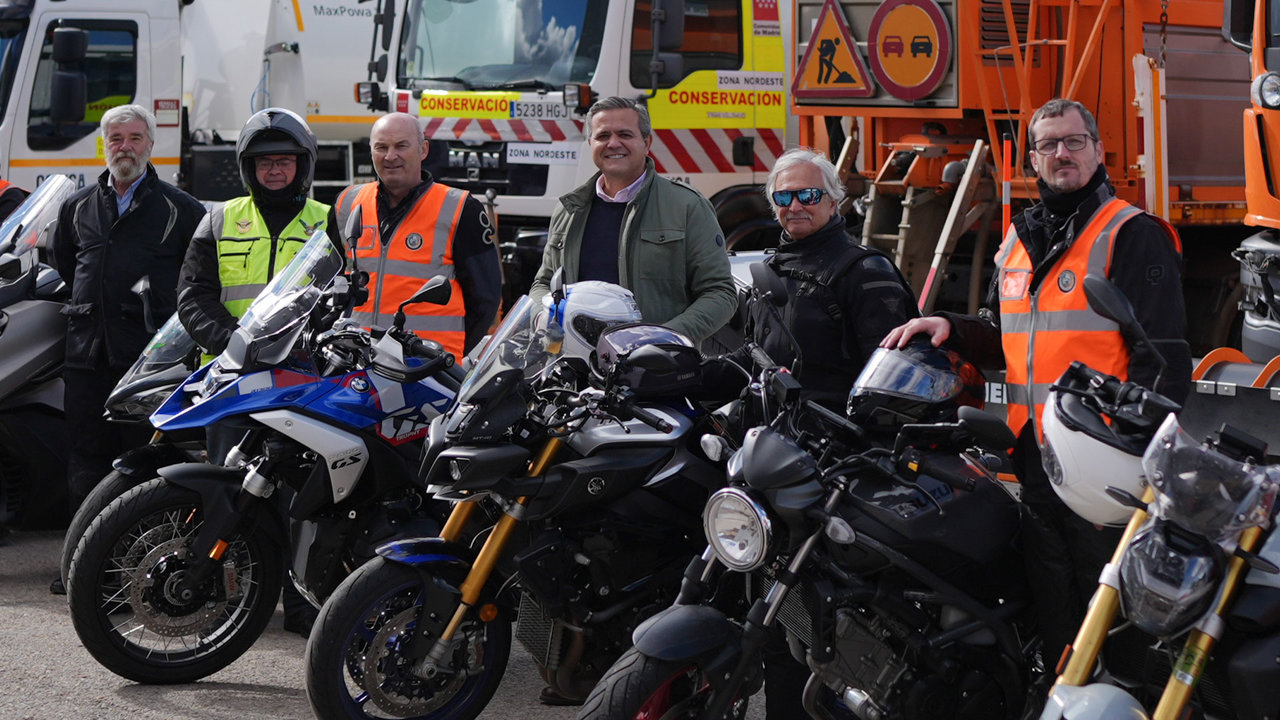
{"x": 626, "y": 225}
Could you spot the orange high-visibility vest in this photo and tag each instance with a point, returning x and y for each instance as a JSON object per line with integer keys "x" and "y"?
{"x": 1042, "y": 333}
{"x": 420, "y": 248}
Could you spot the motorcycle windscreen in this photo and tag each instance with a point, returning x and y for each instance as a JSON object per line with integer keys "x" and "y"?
{"x": 21, "y": 231}
{"x": 525, "y": 341}
{"x": 164, "y": 363}
{"x": 1202, "y": 490}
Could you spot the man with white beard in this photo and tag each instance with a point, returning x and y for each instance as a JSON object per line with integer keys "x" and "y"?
{"x": 128, "y": 226}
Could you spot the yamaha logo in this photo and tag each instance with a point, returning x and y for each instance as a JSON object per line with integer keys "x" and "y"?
{"x": 1067, "y": 281}
{"x": 414, "y": 241}
{"x": 595, "y": 485}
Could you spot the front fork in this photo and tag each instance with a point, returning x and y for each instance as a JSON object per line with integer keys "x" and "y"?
{"x": 486, "y": 560}
{"x": 760, "y": 619}
{"x": 1081, "y": 656}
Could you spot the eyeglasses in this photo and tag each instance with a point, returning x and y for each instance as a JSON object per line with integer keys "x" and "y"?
{"x": 1074, "y": 143}
{"x": 807, "y": 196}
{"x": 283, "y": 163}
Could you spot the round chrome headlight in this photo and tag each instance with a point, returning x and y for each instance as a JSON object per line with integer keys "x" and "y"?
{"x": 738, "y": 529}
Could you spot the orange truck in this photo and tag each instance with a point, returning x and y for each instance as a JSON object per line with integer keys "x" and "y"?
{"x": 928, "y": 102}
{"x": 922, "y": 87}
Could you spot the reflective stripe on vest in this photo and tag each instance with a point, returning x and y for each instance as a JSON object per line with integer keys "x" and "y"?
{"x": 1043, "y": 333}
{"x": 420, "y": 249}
{"x": 247, "y": 254}
{"x": 245, "y": 249}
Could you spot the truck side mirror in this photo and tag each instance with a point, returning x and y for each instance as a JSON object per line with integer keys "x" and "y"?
{"x": 69, "y": 92}
{"x": 70, "y": 45}
{"x": 666, "y": 67}
{"x": 386, "y": 21}
{"x": 668, "y": 24}
{"x": 1237, "y": 23}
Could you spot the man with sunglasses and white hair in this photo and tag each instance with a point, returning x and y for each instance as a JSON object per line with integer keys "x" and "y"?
{"x": 1037, "y": 321}
{"x": 842, "y": 297}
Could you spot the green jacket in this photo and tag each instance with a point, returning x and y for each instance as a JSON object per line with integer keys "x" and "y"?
{"x": 671, "y": 254}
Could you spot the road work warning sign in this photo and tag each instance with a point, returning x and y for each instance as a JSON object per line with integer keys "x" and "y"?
{"x": 831, "y": 66}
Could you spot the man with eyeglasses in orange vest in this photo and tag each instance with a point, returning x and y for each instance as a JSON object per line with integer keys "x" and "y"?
{"x": 1038, "y": 317}
{"x": 414, "y": 229}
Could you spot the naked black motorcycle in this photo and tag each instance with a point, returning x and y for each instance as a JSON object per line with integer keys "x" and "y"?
{"x": 891, "y": 568}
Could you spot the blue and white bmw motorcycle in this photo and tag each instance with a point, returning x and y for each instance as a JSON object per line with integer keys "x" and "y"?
{"x": 176, "y": 578}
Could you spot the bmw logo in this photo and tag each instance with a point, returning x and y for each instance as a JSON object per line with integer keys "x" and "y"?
{"x": 414, "y": 241}
{"x": 360, "y": 385}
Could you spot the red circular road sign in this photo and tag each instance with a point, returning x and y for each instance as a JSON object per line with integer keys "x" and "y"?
{"x": 909, "y": 47}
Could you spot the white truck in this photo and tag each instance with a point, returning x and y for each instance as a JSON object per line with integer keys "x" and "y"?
{"x": 501, "y": 88}
{"x": 203, "y": 67}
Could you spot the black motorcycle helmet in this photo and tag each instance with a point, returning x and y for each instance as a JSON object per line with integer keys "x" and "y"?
{"x": 919, "y": 383}
{"x": 276, "y": 131}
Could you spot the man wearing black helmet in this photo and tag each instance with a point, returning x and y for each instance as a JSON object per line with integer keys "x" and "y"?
{"x": 243, "y": 242}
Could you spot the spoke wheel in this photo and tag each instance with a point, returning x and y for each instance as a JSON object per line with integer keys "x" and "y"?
{"x": 129, "y": 598}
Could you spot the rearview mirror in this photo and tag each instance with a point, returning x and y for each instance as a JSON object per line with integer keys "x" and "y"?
{"x": 769, "y": 284}
{"x": 436, "y": 291}
{"x": 988, "y": 430}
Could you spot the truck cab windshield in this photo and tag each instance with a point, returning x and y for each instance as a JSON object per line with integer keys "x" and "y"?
{"x": 500, "y": 44}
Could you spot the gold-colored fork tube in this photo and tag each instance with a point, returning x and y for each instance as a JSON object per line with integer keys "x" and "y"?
{"x": 1195, "y": 653}
{"x": 1101, "y": 613}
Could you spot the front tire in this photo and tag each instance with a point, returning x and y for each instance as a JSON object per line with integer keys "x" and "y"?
{"x": 124, "y": 574}
{"x": 356, "y": 661}
{"x": 639, "y": 687}
{"x": 109, "y": 488}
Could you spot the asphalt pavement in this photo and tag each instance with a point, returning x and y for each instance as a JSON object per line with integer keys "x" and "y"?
{"x": 45, "y": 673}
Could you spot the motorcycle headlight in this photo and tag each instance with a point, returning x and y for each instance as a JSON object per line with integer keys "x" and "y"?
{"x": 1169, "y": 578}
{"x": 738, "y": 529}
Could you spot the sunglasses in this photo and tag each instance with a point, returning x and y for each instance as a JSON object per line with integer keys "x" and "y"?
{"x": 807, "y": 196}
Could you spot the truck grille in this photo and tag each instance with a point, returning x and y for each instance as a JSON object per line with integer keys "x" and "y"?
{"x": 477, "y": 168}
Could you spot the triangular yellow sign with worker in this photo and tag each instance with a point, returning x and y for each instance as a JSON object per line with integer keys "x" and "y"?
{"x": 832, "y": 66}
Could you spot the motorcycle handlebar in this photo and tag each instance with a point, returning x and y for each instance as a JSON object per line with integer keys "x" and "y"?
{"x": 646, "y": 417}
{"x": 760, "y": 357}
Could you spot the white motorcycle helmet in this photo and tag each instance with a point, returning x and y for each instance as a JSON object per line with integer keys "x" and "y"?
{"x": 1083, "y": 456}
{"x": 589, "y": 308}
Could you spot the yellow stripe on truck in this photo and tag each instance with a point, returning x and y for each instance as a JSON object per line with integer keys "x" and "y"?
{"x": 77, "y": 162}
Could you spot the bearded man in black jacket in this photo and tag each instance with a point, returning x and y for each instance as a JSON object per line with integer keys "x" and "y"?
{"x": 127, "y": 226}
